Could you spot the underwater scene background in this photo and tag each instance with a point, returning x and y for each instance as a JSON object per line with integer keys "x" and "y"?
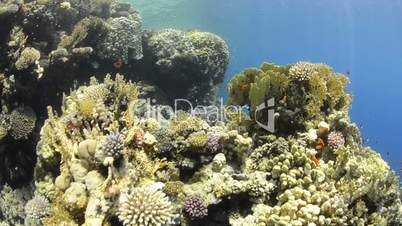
{"x": 111, "y": 113}
{"x": 360, "y": 38}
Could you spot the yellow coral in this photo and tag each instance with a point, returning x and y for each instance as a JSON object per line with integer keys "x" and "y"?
{"x": 86, "y": 107}
{"x": 198, "y": 139}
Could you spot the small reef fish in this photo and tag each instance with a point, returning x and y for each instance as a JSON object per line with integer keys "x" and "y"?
{"x": 315, "y": 160}
{"x": 118, "y": 64}
{"x": 323, "y": 130}
{"x": 320, "y": 144}
{"x": 285, "y": 98}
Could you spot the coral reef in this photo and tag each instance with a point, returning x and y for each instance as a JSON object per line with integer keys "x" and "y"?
{"x": 48, "y": 47}
{"x": 187, "y": 172}
{"x": 100, "y": 158}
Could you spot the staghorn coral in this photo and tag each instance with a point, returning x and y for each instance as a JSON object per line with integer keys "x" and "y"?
{"x": 143, "y": 206}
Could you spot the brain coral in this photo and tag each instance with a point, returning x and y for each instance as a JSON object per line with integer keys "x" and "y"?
{"x": 22, "y": 121}
{"x": 145, "y": 207}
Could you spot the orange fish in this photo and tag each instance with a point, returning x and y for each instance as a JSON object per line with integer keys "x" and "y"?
{"x": 118, "y": 64}
{"x": 285, "y": 98}
{"x": 315, "y": 160}
{"x": 320, "y": 144}
{"x": 323, "y": 130}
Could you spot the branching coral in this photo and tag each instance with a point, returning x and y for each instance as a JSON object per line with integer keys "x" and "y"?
{"x": 336, "y": 140}
{"x": 195, "y": 207}
{"x": 12, "y": 203}
{"x": 113, "y": 145}
{"x": 36, "y": 210}
{"x": 143, "y": 206}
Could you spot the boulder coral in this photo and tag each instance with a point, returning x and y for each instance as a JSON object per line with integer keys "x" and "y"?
{"x": 195, "y": 60}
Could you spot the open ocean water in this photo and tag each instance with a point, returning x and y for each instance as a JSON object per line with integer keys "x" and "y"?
{"x": 361, "y": 38}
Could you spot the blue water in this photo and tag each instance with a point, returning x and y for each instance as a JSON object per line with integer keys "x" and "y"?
{"x": 363, "y": 37}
